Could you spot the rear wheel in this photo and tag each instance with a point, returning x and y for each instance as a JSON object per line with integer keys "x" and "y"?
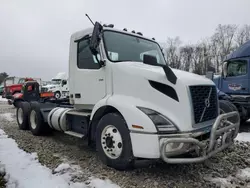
{"x": 113, "y": 142}
{"x": 36, "y": 121}
{"x": 16, "y": 103}
{"x": 22, "y": 115}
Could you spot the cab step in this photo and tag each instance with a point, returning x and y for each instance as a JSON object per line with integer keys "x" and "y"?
{"x": 78, "y": 113}
{"x": 75, "y": 134}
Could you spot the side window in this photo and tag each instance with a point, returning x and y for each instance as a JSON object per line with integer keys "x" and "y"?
{"x": 85, "y": 59}
{"x": 237, "y": 68}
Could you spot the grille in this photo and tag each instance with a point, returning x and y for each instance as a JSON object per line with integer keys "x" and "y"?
{"x": 43, "y": 89}
{"x": 204, "y": 107}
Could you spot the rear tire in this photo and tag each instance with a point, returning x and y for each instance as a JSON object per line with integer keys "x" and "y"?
{"x": 113, "y": 142}
{"x": 22, "y": 115}
{"x": 36, "y": 121}
{"x": 16, "y": 103}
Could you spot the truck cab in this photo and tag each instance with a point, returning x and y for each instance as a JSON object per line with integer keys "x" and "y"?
{"x": 234, "y": 80}
{"x": 58, "y": 85}
{"x": 15, "y": 87}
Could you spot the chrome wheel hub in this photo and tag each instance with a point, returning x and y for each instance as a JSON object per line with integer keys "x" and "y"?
{"x": 111, "y": 141}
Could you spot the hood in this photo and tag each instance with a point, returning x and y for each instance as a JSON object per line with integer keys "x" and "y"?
{"x": 157, "y": 73}
{"x": 145, "y": 85}
{"x": 14, "y": 85}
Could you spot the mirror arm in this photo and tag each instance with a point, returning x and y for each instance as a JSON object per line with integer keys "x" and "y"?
{"x": 100, "y": 62}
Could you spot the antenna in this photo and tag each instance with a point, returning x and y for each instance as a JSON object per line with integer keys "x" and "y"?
{"x": 89, "y": 19}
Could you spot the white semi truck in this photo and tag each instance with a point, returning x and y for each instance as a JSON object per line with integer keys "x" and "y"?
{"x": 129, "y": 104}
{"x": 59, "y": 86}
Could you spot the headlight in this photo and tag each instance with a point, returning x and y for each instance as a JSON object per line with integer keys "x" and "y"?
{"x": 52, "y": 87}
{"x": 162, "y": 124}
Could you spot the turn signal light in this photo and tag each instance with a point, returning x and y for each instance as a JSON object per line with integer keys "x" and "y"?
{"x": 137, "y": 127}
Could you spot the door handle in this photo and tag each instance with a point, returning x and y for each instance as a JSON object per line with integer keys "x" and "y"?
{"x": 244, "y": 88}
{"x": 77, "y": 95}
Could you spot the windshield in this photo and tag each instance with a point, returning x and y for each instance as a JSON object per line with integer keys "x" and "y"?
{"x": 124, "y": 47}
{"x": 237, "y": 68}
{"x": 56, "y": 82}
{"x": 21, "y": 81}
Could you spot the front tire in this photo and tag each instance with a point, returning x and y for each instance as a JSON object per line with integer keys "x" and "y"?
{"x": 22, "y": 115}
{"x": 57, "y": 95}
{"x": 226, "y": 107}
{"x": 113, "y": 142}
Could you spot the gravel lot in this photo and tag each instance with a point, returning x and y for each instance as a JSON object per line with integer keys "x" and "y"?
{"x": 55, "y": 148}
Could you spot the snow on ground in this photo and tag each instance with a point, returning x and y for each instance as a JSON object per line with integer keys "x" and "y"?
{"x": 8, "y": 116}
{"x": 3, "y": 99}
{"x": 23, "y": 170}
{"x": 241, "y": 175}
{"x": 243, "y": 137}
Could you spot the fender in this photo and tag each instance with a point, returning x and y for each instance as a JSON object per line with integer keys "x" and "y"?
{"x": 127, "y": 108}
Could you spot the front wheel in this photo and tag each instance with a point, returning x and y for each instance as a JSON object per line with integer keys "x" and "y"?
{"x": 113, "y": 142}
{"x": 57, "y": 95}
{"x": 226, "y": 107}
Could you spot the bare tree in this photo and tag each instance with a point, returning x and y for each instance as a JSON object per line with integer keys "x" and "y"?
{"x": 186, "y": 54}
{"x": 197, "y": 65}
{"x": 172, "y": 52}
{"x": 215, "y": 52}
{"x": 224, "y": 36}
{"x": 208, "y": 53}
{"x": 243, "y": 35}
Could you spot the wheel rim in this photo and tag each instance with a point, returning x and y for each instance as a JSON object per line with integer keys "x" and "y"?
{"x": 33, "y": 122}
{"x": 57, "y": 95}
{"x": 111, "y": 141}
{"x": 20, "y": 115}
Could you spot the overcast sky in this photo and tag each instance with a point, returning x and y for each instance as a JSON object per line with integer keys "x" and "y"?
{"x": 34, "y": 34}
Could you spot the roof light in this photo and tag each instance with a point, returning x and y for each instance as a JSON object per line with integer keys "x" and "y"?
{"x": 111, "y": 25}
{"x": 133, "y": 31}
{"x": 139, "y": 33}
{"x": 153, "y": 38}
{"x": 125, "y": 29}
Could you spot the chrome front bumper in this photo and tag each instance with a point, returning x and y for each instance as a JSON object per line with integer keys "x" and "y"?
{"x": 220, "y": 138}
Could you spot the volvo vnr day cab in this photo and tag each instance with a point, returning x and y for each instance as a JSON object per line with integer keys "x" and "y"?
{"x": 129, "y": 104}
{"x": 59, "y": 86}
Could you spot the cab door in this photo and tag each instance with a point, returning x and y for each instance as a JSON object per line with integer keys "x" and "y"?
{"x": 237, "y": 78}
{"x": 89, "y": 77}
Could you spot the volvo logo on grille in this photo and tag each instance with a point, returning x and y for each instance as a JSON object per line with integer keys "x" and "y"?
{"x": 207, "y": 102}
